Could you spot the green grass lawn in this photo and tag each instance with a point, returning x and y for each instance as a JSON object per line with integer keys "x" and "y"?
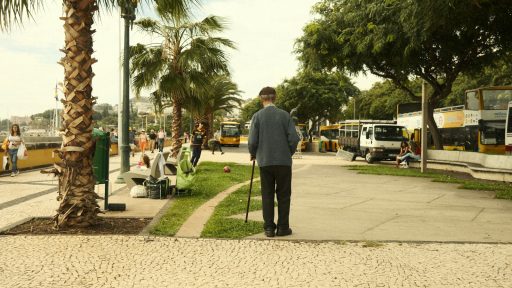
{"x": 210, "y": 180}
{"x": 221, "y": 225}
{"x": 503, "y": 190}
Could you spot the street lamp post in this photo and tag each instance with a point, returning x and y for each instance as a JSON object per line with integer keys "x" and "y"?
{"x": 128, "y": 14}
{"x": 354, "y": 108}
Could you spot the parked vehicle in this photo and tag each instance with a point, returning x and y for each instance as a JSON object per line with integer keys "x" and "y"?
{"x": 508, "y": 133}
{"x": 373, "y": 140}
{"x": 329, "y": 138}
{"x": 230, "y": 134}
{"x": 477, "y": 126}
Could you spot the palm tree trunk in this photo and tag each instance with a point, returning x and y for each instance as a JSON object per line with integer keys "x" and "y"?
{"x": 175, "y": 128}
{"x": 77, "y": 198}
{"x": 210, "y": 123}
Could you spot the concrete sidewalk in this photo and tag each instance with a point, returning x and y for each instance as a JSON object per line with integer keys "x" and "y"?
{"x": 32, "y": 194}
{"x": 330, "y": 202}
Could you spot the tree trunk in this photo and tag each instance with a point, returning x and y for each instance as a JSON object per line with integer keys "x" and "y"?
{"x": 436, "y": 135}
{"x": 211, "y": 132}
{"x": 175, "y": 127}
{"x": 77, "y": 198}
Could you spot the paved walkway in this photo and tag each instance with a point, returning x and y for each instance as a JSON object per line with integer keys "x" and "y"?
{"x": 114, "y": 261}
{"x": 328, "y": 202}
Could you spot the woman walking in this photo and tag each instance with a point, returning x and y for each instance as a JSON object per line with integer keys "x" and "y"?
{"x": 143, "y": 140}
{"x": 14, "y": 142}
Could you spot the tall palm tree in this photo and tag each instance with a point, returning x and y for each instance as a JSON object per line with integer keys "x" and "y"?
{"x": 78, "y": 206}
{"x": 221, "y": 94}
{"x": 186, "y": 58}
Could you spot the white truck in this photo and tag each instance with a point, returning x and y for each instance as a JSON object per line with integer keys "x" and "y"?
{"x": 373, "y": 140}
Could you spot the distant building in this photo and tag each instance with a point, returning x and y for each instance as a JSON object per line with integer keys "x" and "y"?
{"x": 20, "y": 120}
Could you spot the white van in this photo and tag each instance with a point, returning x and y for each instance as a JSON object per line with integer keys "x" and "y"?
{"x": 508, "y": 130}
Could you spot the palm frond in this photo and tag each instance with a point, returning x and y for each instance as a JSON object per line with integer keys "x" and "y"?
{"x": 15, "y": 11}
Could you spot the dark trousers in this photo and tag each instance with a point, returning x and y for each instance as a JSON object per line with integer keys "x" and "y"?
{"x": 216, "y": 144}
{"x": 276, "y": 180}
{"x": 196, "y": 154}
{"x": 160, "y": 144}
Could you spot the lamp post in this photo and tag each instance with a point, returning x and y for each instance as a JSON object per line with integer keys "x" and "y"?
{"x": 354, "y": 108}
{"x": 128, "y": 14}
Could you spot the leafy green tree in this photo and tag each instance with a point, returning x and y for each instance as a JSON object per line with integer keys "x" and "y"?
{"x": 435, "y": 40}
{"x": 497, "y": 74}
{"x": 316, "y": 96}
{"x": 251, "y": 107}
{"x": 78, "y": 206}
{"x": 188, "y": 56}
{"x": 381, "y": 101}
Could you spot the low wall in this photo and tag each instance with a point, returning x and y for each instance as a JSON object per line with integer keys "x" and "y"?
{"x": 486, "y": 160}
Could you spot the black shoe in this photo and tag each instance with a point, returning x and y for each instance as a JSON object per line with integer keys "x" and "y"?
{"x": 221, "y": 153}
{"x": 284, "y": 232}
{"x": 270, "y": 232}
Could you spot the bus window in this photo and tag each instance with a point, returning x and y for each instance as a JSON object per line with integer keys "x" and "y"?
{"x": 472, "y": 102}
{"x": 230, "y": 131}
{"x": 496, "y": 99}
{"x": 493, "y": 133}
{"x": 509, "y": 121}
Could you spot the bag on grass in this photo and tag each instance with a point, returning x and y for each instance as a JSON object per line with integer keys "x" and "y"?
{"x": 5, "y": 163}
{"x": 22, "y": 152}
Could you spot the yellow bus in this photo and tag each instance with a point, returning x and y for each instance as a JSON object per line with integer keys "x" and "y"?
{"x": 478, "y": 125}
{"x": 304, "y": 136}
{"x": 329, "y": 137}
{"x": 230, "y": 134}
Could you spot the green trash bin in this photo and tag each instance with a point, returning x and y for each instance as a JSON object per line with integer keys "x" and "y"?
{"x": 101, "y": 156}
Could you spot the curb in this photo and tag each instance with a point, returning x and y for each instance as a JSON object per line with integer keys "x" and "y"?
{"x": 156, "y": 218}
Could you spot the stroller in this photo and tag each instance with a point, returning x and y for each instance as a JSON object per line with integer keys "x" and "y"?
{"x": 185, "y": 172}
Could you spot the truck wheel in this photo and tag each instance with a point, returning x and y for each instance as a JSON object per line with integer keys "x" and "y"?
{"x": 369, "y": 158}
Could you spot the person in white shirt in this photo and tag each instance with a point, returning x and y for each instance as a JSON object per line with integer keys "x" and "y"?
{"x": 161, "y": 139}
{"x": 14, "y": 142}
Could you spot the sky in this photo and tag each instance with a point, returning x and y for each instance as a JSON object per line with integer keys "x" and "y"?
{"x": 264, "y": 32}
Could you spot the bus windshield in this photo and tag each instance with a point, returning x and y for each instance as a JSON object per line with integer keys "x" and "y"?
{"x": 330, "y": 133}
{"x": 230, "y": 131}
{"x": 390, "y": 133}
{"x": 496, "y": 99}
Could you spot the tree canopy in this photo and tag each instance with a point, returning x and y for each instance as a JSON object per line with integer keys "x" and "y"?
{"x": 316, "y": 95}
{"x": 435, "y": 40}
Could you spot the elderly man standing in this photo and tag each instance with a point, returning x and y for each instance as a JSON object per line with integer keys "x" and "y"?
{"x": 272, "y": 142}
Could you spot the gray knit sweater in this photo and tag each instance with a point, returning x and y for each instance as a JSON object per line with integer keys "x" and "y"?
{"x": 272, "y": 137}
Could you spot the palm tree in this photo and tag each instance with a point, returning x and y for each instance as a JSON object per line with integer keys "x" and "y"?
{"x": 221, "y": 94}
{"x": 186, "y": 58}
{"x": 78, "y": 206}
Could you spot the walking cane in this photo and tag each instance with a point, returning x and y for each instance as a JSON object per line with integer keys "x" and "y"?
{"x": 250, "y": 189}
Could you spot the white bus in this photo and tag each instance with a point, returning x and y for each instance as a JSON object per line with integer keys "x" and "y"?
{"x": 508, "y": 132}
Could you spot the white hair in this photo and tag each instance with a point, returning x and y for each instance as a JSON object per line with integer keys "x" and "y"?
{"x": 269, "y": 97}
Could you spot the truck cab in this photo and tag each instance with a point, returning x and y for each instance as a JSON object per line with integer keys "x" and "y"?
{"x": 381, "y": 141}
{"x": 373, "y": 140}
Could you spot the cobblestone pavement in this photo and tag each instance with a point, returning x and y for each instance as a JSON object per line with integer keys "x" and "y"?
{"x": 113, "y": 261}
